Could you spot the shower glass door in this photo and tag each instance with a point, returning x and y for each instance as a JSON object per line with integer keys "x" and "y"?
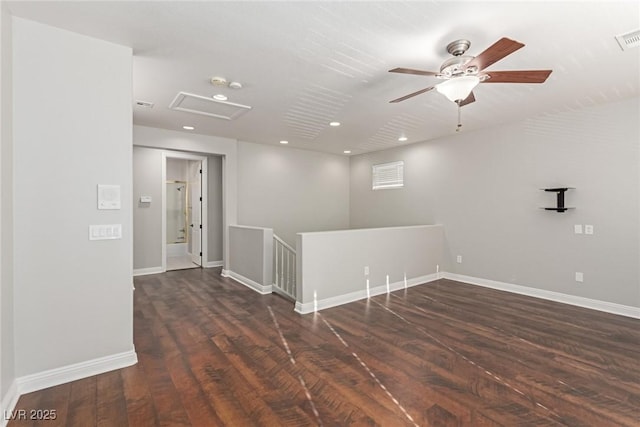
{"x": 176, "y": 212}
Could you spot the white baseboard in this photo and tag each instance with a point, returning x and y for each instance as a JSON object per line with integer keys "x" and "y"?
{"x": 310, "y": 307}
{"x": 211, "y": 264}
{"x": 9, "y": 402}
{"x": 145, "y": 271}
{"x": 65, "y": 374}
{"x": 262, "y": 289}
{"x": 608, "y": 307}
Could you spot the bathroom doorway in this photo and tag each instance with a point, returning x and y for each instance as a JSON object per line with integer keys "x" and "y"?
{"x": 178, "y": 242}
{"x": 184, "y": 213}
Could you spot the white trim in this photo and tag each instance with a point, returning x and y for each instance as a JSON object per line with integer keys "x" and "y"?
{"x": 145, "y": 271}
{"x": 310, "y": 307}
{"x": 366, "y": 230}
{"x": 608, "y": 307}
{"x": 262, "y": 289}
{"x": 65, "y": 374}
{"x": 249, "y": 227}
{"x": 9, "y": 402}
{"x": 211, "y": 264}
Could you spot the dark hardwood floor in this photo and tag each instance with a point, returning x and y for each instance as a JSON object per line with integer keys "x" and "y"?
{"x": 212, "y": 352}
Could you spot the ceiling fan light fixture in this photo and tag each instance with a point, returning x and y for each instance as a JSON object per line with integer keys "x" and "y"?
{"x": 458, "y": 88}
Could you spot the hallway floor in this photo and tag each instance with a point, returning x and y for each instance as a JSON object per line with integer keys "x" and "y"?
{"x": 180, "y": 262}
{"x": 214, "y": 353}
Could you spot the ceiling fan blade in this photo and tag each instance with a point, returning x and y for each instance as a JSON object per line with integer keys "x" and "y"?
{"x": 471, "y": 98}
{"x": 411, "y": 95}
{"x": 520, "y": 76}
{"x": 410, "y": 71}
{"x": 494, "y": 53}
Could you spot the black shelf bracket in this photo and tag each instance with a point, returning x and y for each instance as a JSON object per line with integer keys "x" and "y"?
{"x": 560, "y": 207}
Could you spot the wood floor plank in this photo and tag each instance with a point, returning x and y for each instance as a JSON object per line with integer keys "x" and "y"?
{"x": 138, "y": 396}
{"x": 214, "y": 353}
{"x": 111, "y": 406}
{"x": 82, "y": 410}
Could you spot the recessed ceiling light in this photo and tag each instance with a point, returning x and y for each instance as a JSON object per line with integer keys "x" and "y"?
{"x": 284, "y": 142}
{"x": 402, "y": 139}
{"x": 220, "y": 97}
{"x": 347, "y": 151}
{"x": 334, "y": 124}
{"x": 188, "y": 127}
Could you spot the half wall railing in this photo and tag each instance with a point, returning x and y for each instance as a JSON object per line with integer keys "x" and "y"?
{"x": 284, "y": 268}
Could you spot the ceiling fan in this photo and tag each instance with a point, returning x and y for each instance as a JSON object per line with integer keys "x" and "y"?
{"x": 462, "y": 73}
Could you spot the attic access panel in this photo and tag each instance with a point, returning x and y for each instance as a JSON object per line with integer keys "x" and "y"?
{"x": 203, "y": 105}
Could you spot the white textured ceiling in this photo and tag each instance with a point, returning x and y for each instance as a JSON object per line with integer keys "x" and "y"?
{"x": 304, "y": 64}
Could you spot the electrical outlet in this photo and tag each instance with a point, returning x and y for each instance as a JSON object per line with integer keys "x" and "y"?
{"x": 459, "y": 259}
{"x": 577, "y": 228}
{"x": 366, "y": 270}
{"x": 588, "y": 229}
{"x": 579, "y": 277}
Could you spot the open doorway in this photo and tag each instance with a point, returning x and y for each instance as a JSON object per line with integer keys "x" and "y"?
{"x": 150, "y": 215}
{"x": 184, "y": 211}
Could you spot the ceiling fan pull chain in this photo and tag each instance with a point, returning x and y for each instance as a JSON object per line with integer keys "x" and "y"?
{"x": 459, "y": 123}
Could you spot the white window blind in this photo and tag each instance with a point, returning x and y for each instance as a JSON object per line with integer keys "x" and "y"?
{"x": 388, "y": 175}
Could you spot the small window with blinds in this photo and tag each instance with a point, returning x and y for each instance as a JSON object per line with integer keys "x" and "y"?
{"x": 388, "y": 175}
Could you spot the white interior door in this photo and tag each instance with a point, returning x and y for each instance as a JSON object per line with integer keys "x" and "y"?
{"x": 196, "y": 215}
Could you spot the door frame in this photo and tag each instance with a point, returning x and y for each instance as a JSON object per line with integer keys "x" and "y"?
{"x": 204, "y": 188}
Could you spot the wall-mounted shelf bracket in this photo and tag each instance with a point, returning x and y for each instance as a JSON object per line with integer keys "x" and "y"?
{"x": 560, "y": 207}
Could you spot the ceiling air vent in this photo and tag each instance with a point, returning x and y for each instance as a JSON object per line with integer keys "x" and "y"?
{"x": 629, "y": 40}
{"x": 206, "y": 106}
{"x": 144, "y": 104}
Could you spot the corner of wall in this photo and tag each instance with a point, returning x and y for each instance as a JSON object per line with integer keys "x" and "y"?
{"x": 8, "y": 393}
{"x": 8, "y": 402}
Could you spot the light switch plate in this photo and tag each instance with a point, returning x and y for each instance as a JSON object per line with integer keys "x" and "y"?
{"x": 577, "y": 228}
{"x": 579, "y": 276}
{"x": 105, "y": 232}
{"x": 108, "y": 196}
{"x": 588, "y": 229}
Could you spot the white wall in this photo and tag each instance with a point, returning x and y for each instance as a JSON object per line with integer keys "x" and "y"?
{"x": 484, "y": 188}
{"x": 286, "y": 189}
{"x": 177, "y": 169}
{"x": 72, "y": 131}
{"x": 147, "y": 217}
{"x": 292, "y": 190}
{"x": 331, "y": 265}
{"x": 7, "y": 359}
{"x": 215, "y": 209}
{"x": 251, "y": 257}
